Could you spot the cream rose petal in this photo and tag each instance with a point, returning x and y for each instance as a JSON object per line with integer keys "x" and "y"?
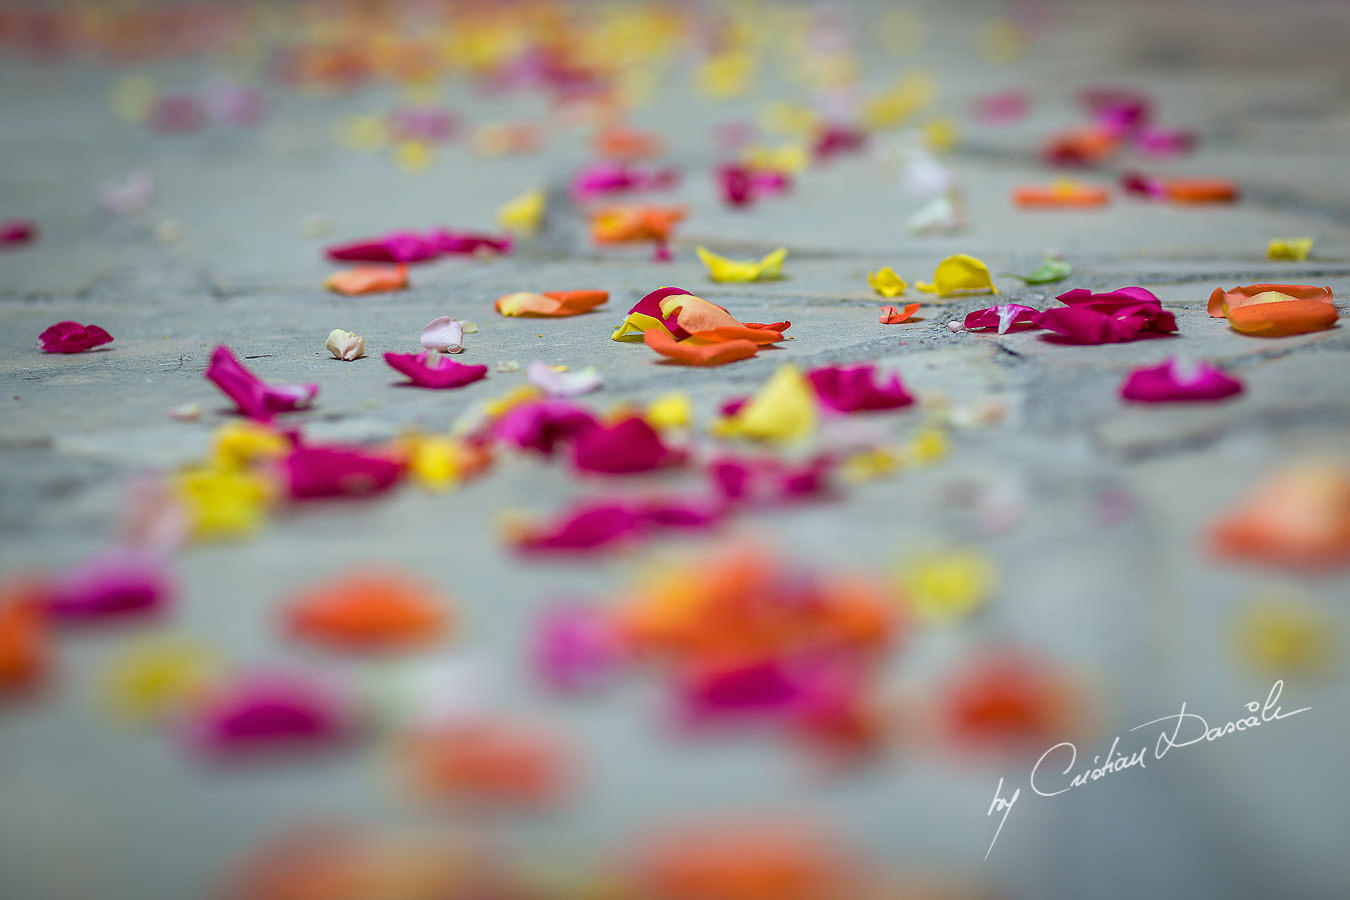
{"x": 443, "y": 334}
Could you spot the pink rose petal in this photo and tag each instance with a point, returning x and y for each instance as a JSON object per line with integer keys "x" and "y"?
{"x": 1003, "y": 318}
{"x": 603, "y": 178}
{"x": 14, "y": 232}
{"x": 625, "y": 448}
{"x": 768, "y": 481}
{"x": 562, "y": 384}
{"x": 1178, "y": 381}
{"x": 254, "y": 397}
{"x": 1118, "y": 316}
{"x": 856, "y": 388}
{"x": 1000, "y": 109}
{"x": 72, "y": 337}
{"x": 607, "y": 524}
{"x": 262, "y": 714}
{"x": 111, "y": 586}
{"x": 576, "y": 648}
{"x": 835, "y": 139}
{"x": 431, "y": 370}
{"x": 543, "y": 426}
{"x": 395, "y": 247}
{"x": 443, "y": 335}
{"x": 314, "y": 472}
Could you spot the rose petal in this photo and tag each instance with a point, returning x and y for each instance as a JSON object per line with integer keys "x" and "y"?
{"x": 627, "y": 447}
{"x": 960, "y": 274}
{"x": 368, "y": 280}
{"x": 313, "y": 472}
{"x": 890, "y": 315}
{"x": 723, "y": 269}
{"x": 550, "y": 303}
{"x": 886, "y": 283}
{"x": 1003, "y": 318}
{"x": 256, "y": 399}
{"x": 563, "y": 384}
{"x": 1175, "y": 381}
{"x": 1297, "y": 517}
{"x": 1283, "y": 318}
{"x": 261, "y": 713}
{"x": 431, "y": 370}
{"x": 856, "y": 388}
{"x": 1221, "y": 301}
{"x": 699, "y": 354}
{"x": 367, "y": 610}
{"x": 72, "y": 337}
{"x": 443, "y": 335}
{"x": 111, "y": 586}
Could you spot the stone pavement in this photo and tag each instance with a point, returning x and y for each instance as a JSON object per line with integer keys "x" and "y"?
{"x": 1130, "y": 601}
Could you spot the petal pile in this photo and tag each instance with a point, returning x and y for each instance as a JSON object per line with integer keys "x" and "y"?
{"x": 1118, "y": 316}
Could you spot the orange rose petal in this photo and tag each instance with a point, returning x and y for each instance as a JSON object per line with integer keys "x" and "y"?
{"x": 368, "y": 280}
{"x": 502, "y": 763}
{"x": 699, "y": 354}
{"x": 618, "y": 225}
{"x": 1282, "y": 318}
{"x": 1200, "y": 190}
{"x": 696, "y": 314}
{"x": 734, "y": 333}
{"x": 24, "y": 649}
{"x": 579, "y": 301}
{"x": 1221, "y": 301}
{"x": 628, "y": 143}
{"x": 892, "y": 316}
{"x": 779, "y": 327}
{"x": 1084, "y": 146}
{"x": 1081, "y": 196}
{"x": 1297, "y": 518}
{"x": 367, "y": 611}
{"x": 761, "y": 860}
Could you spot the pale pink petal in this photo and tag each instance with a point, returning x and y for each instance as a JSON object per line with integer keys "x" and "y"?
{"x": 563, "y": 384}
{"x": 444, "y": 335}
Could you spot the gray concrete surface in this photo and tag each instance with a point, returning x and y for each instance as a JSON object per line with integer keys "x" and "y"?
{"x": 88, "y": 808}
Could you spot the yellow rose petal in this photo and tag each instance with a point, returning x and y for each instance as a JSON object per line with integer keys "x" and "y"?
{"x": 669, "y": 411}
{"x": 886, "y": 283}
{"x": 1290, "y": 248}
{"x": 960, "y": 274}
{"x": 524, "y": 214}
{"x": 785, "y": 409}
{"x": 157, "y": 678}
{"x": 720, "y": 268}
{"x": 948, "y": 587}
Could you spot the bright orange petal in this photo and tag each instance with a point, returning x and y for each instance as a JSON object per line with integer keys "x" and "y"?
{"x": 368, "y": 611}
{"x": 1038, "y": 197}
{"x": 734, "y": 333}
{"x": 699, "y": 354}
{"x": 578, "y": 301}
{"x": 368, "y": 280}
{"x": 1201, "y": 190}
{"x": 1221, "y": 301}
{"x": 1282, "y": 317}
{"x": 892, "y": 316}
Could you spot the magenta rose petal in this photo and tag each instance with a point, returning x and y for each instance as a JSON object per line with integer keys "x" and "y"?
{"x": 431, "y": 370}
{"x": 258, "y": 715}
{"x": 857, "y": 388}
{"x": 628, "y": 447}
{"x": 544, "y": 425}
{"x": 72, "y": 337}
{"x": 1003, "y": 318}
{"x": 254, "y": 397}
{"x": 117, "y": 585}
{"x": 1179, "y": 381}
{"x": 314, "y": 472}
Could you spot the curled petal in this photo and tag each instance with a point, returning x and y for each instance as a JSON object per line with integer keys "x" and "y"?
{"x": 1221, "y": 301}
{"x": 886, "y": 283}
{"x": 720, "y": 268}
{"x": 344, "y": 345}
{"x": 960, "y": 274}
{"x": 550, "y": 303}
{"x": 891, "y": 315}
{"x": 431, "y": 370}
{"x": 255, "y": 398}
{"x": 443, "y": 335}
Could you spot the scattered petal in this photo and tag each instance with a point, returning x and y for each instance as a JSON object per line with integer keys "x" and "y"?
{"x": 72, "y": 337}
{"x": 1222, "y": 302}
{"x": 345, "y": 345}
{"x": 159, "y": 678}
{"x": 696, "y": 354}
{"x": 431, "y": 370}
{"x": 368, "y": 280}
{"x": 314, "y": 472}
{"x": 1284, "y": 637}
{"x": 1003, "y": 318}
{"x": 1061, "y": 195}
{"x": 14, "y": 232}
{"x": 960, "y": 274}
{"x": 268, "y": 713}
{"x": 367, "y": 610}
{"x": 891, "y": 315}
{"x": 948, "y": 587}
{"x": 1049, "y": 271}
{"x": 627, "y": 447}
{"x": 784, "y": 409}
{"x": 524, "y": 214}
{"x": 1296, "y": 249}
{"x": 1178, "y": 381}
{"x": 722, "y": 269}
{"x": 550, "y": 304}
{"x": 1297, "y": 517}
{"x": 128, "y": 196}
{"x": 111, "y": 587}
{"x": 576, "y": 648}
{"x": 255, "y": 398}
{"x": 856, "y": 388}
{"x": 25, "y": 651}
{"x": 886, "y": 283}
{"x": 443, "y": 335}
{"x": 488, "y": 761}
{"x": 563, "y": 384}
